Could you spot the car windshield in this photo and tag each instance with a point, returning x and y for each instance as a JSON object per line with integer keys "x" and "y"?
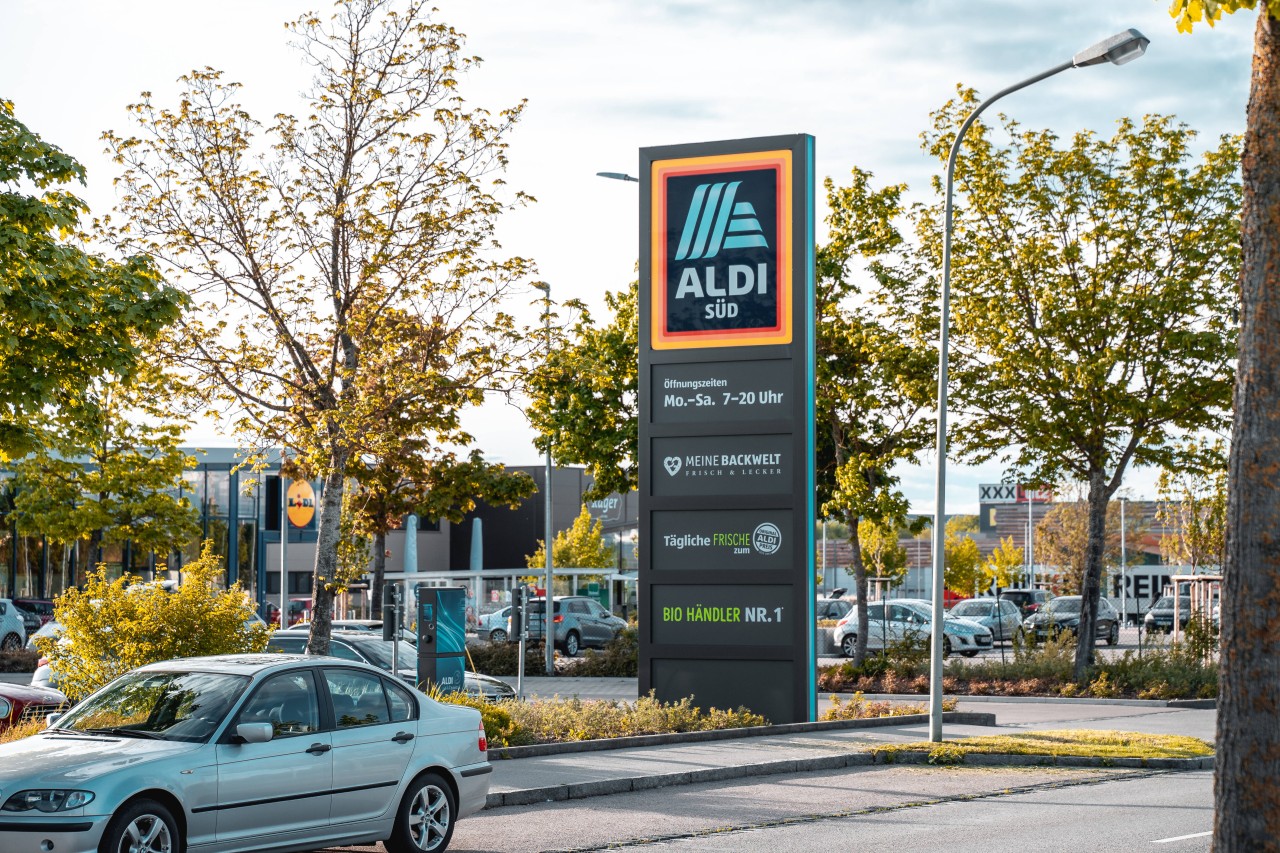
{"x": 1166, "y": 603}
{"x": 180, "y": 706}
{"x": 1065, "y": 605}
{"x": 972, "y": 608}
{"x": 378, "y": 651}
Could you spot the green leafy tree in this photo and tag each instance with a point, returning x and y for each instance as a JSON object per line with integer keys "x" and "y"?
{"x": 1006, "y": 565}
{"x": 343, "y": 260}
{"x": 964, "y": 573}
{"x": 584, "y": 397}
{"x": 582, "y": 546}
{"x": 71, "y": 317}
{"x": 108, "y": 470}
{"x": 1093, "y": 286}
{"x": 873, "y": 383}
{"x": 883, "y": 555}
{"x": 1193, "y": 505}
{"x": 113, "y": 626}
{"x": 1247, "y": 767}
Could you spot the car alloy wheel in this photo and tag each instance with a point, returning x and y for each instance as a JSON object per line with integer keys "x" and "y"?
{"x": 1113, "y": 636}
{"x": 497, "y": 635}
{"x": 11, "y": 643}
{"x": 424, "y": 823}
{"x": 143, "y": 826}
{"x": 849, "y": 645}
{"x": 571, "y": 644}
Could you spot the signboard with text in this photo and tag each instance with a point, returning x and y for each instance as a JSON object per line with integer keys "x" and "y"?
{"x": 726, "y": 425}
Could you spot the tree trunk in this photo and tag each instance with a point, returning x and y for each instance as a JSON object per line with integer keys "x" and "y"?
{"x": 326, "y": 565}
{"x": 379, "y": 572}
{"x": 1091, "y": 584}
{"x": 1247, "y": 777}
{"x": 860, "y": 590}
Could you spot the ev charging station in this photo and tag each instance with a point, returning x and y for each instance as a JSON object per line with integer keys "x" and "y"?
{"x": 442, "y": 639}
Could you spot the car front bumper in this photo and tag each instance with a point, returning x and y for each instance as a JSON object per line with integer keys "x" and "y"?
{"x": 56, "y": 833}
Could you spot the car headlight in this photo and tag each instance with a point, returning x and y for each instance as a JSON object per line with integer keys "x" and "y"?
{"x": 6, "y": 708}
{"x": 48, "y": 800}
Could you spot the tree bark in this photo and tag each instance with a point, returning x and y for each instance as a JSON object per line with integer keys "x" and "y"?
{"x": 379, "y": 572}
{"x": 326, "y": 565}
{"x": 1091, "y": 584}
{"x": 860, "y": 589}
{"x": 1247, "y": 777}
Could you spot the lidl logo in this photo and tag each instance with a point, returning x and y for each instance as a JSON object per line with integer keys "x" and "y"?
{"x": 721, "y": 255}
{"x": 716, "y": 221}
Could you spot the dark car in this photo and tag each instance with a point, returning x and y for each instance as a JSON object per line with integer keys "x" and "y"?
{"x": 1063, "y": 614}
{"x": 833, "y": 608}
{"x": 41, "y": 608}
{"x": 1028, "y": 600}
{"x": 1160, "y": 617}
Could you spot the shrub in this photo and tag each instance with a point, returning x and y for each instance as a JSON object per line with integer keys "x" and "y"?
{"x": 499, "y": 727}
{"x": 22, "y": 660}
{"x": 858, "y": 708}
{"x": 111, "y": 627}
{"x": 21, "y": 729}
{"x": 619, "y": 659}
{"x": 504, "y": 658}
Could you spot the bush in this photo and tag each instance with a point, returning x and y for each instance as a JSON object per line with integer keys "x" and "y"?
{"x": 620, "y": 658}
{"x": 858, "y": 708}
{"x": 22, "y": 660}
{"x": 21, "y": 729}
{"x": 111, "y": 627}
{"x": 504, "y": 658}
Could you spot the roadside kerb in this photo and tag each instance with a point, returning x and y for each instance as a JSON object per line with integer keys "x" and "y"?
{"x": 956, "y": 718}
{"x": 838, "y": 761}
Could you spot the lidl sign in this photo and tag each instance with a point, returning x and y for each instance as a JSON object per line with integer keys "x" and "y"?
{"x": 720, "y": 257}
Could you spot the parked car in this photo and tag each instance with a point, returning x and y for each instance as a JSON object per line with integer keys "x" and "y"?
{"x": 48, "y": 629}
{"x": 370, "y": 648}
{"x": 579, "y": 622}
{"x": 999, "y": 616}
{"x": 367, "y": 626}
{"x": 13, "y": 634}
{"x": 1063, "y": 614}
{"x": 889, "y": 622}
{"x": 833, "y": 608}
{"x": 41, "y": 607}
{"x": 290, "y": 753}
{"x": 493, "y": 626}
{"x": 1159, "y": 619}
{"x": 1028, "y": 600}
{"x": 20, "y": 702}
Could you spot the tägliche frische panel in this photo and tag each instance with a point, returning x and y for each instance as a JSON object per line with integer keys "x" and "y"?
{"x": 722, "y": 615}
{"x": 722, "y": 249}
{"x": 722, "y": 465}
{"x": 721, "y": 539}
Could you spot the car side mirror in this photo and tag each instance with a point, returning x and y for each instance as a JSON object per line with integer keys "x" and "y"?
{"x": 50, "y": 719}
{"x": 254, "y": 733}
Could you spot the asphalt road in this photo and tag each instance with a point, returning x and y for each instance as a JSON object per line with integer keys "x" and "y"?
{"x": 879, "y": 808}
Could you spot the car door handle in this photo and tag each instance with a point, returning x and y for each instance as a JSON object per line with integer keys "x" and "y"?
{"x": 402, "y": 737}
{"x": 319, "y": 748}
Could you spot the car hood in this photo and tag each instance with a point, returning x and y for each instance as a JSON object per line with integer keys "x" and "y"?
{"x": 33, "y": 694}
{"x": 73, "y": 759}
{"x": 1044, "y": 617}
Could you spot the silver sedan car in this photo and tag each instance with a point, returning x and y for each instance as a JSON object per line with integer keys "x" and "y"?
{"x": 245, "y": 752}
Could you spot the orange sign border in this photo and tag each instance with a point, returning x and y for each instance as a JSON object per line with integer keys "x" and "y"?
{"x": 661, "y": 170}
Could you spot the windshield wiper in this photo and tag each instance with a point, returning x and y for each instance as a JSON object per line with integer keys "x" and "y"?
{"x": 126, "y": 733}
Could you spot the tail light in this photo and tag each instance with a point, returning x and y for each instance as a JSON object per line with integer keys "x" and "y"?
{"x": 42, "y": 662}
{"x": 483, "y": 742}
{"x": 845, "y": 619}
{"x": 557, "y": 619}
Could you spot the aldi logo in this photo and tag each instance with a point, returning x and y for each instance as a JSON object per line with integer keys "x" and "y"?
{"x": 721, "y": 251}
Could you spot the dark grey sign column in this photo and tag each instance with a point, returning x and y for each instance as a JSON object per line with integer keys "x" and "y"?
{"x": 726, "y": 425}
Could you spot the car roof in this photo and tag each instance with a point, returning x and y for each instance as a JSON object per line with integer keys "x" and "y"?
{"x": 250, "y": 663}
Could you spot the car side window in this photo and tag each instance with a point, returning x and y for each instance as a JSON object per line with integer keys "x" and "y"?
{"x": 287, "y": 644}
{"x": 287, "y": 701}
{"x": 875, "y": 611}
{"x": 358, "y": 698}
{"x": 402, "y": 705}
{"x": 579, "y": 607}
{"x": 898, "y": 613}
{"x": 597, "y": 609}
{"x": 342, "y": 650}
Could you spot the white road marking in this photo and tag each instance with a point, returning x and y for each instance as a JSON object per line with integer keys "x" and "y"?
{"x": 1183, "y": 837}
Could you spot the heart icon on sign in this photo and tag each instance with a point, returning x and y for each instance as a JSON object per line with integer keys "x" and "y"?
{"x": 672, "y": 464}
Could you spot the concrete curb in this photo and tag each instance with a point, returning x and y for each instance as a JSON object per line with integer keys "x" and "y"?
{"x": 839, "y": 761}
{"x": 958, "y": 718}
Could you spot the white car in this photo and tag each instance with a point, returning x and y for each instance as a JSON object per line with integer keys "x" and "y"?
{"x": 246, "y": 752}
{"x": 13, "y": 633}
{"x": 906, "y": 618}
{"x": 493, "y": 626}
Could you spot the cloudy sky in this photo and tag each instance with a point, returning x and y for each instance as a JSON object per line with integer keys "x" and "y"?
{"x": 604, "y": 78}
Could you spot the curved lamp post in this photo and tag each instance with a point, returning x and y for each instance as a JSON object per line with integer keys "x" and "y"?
{"x": 1119, "y": 49}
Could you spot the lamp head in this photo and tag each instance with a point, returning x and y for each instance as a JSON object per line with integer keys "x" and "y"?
{"x": 1119, "y": 49}
{"x": 618, "y": 176}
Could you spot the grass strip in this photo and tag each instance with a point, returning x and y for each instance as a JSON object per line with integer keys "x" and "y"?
{"x": 1072, "y": 742}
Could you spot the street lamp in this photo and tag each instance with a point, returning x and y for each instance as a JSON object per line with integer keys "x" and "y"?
{"x": 547, "y": 547}
{"x": 1119, "y": 49}
{"x": 618, "y": 176}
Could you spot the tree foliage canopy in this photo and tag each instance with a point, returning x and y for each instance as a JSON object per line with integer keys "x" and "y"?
{"x": 582, "y": 546}
{"x": 111, "y": 627}
{"x": 70, "y": 316}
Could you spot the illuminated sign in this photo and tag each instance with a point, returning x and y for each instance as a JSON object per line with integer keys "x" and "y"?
{"x": 300, "y": 503}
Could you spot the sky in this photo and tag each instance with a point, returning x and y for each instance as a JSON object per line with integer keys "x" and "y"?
{"x": 604, "y": 78}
